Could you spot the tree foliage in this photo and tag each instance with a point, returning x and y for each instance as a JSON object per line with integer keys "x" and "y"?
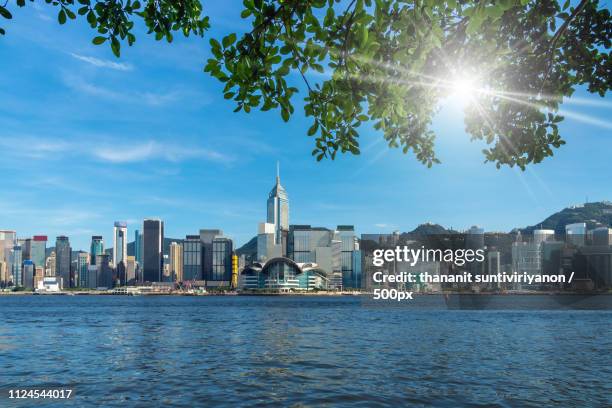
{"x": 391, "y": 62}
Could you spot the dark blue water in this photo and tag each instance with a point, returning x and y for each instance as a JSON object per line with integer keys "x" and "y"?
{"x": 301, "y": 351}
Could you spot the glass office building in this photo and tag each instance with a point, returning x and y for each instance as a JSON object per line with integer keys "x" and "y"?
{"x": 38, "y": 250}
{"x": 119, "y": 243}
{"x": 97, "y": 248}
{"x": 192, "y": 258}
{"x": 152, "y": 255}
{"x": 221, "y": 272}
{"x": 63, "y": 261}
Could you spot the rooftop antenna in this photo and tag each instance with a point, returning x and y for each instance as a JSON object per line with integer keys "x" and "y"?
{"x": 277, "y": 172}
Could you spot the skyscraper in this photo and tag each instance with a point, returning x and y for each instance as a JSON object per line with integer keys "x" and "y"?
{"x": 38, "y": 250}
{"x": 192, "y": 258}
{"x": 105, "y": 272}
{"x": 206, "y": 240}
{"x": 119, "y": 243}
{"x": 138, "y": 247}
{"x": 63, "y": 258}
{"x": 97, "y": 248}
{"x": 16, "y": 265}
{"x": 50, "y": 265}
{"x": 152, "y": 254}
{"x": 349, "y": 245}
{"x": 82, "y": 263}
{"x": 8, "y": 239}
{"x": 28, "y": 274}
{"x": 175, "y": 263}
{"x": 575, "y": 233}
{"x": 221, "y": 271}
{"x": 278, "y": 208}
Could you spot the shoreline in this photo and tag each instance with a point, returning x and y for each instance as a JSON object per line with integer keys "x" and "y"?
{"x": 317, "y": 294}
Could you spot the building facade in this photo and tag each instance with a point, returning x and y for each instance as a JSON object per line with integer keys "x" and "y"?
{"x": 97, "y": 248}
{"x": 152, "y": 254}
{"x": 175, "y": 263}
{"x": 119, "y": 243}
{"x": 192, "y": 258}
{"x": 278, "y": 209}
{"x": 63, "y": 261}
{"x": 38, "y": 250}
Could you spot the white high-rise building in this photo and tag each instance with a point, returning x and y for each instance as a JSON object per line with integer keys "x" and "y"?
{"x": 575, "y": 233}
{"x": 278, "y": 209}
{"x": 543, "y": 235}
{"x": 120, "y": 243}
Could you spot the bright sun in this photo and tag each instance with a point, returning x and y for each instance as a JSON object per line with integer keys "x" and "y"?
{"x": 463, "y": 89}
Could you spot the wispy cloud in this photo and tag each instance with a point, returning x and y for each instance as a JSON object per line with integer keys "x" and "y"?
{"x": 385, "y": 226}
{"x": 110, "y": 151}
{"x": 154, "y": 99}
{"x": 154, "y": 150}
{"x": 101, "y": 63}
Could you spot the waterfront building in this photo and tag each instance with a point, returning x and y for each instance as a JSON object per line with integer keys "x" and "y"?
{"x": 63, "y": 260}
{"x": 8, "y": 240}
{"x": 49, "y": 284}
{"x": 38, "y": 250}
{"x": 39, "y": 274}
{"x": 474, "y": 240}
{"x": 97, "y": 248}
{"x": 601, "y": 236}
{"x": 26, "y": 247}
{"x": 575, "y": 234}
{"x": 138, "y": 246}
{"x": 175, "y": 263}
{"x": 266, "y": 243}
{"x": 278, "y": 209}
{"x": 131, "y": 270}
{"x": 207, "y": 236}
{"x": 306, "y": 244}
{"x": 349, "y": 244}
{"x": 28, "y": 274}
{"x": 119, "y": 243}
{"x": 283, "y": 274}
{"x": 92, "y": 277}
{"x": 543, "y": 235}
{"x": 192, "y": 258}
{"x": 16, "y": 266}
{"x": 356, "y": 277}
{"x": 221, "y": 271}
{"x": 526, "y": 258}
{"x": 4, "y": 275}
{"x": 152, "y": 254}
{"x": 82, "y": 262}
{"x": 105, "y": 278}
{"x": 50, "y": 265}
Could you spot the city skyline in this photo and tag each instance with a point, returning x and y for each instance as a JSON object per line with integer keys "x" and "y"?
{"x": 153, "y": 137}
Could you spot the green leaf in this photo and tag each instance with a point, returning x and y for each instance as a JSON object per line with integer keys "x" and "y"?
{"x": 61, "y": 16}
{"x": 285, "y": 114}
{"x": 313, "y": 129}
{"x": 5, "y": 13}
{"x": 98, "y": 40}
{"x": 115, "y": 47}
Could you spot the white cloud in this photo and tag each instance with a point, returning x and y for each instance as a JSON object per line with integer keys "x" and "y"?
{"x": 154, "y": 150}
{"x": 109, "y": 151}
{"x": 97, "y": 62}
{"x": 134, "y": 97}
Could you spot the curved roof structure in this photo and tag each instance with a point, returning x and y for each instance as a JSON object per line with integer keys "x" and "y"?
{"x": 258, "y": 267}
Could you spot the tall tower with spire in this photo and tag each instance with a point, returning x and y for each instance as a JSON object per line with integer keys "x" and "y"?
{"x": 278, "y": 208}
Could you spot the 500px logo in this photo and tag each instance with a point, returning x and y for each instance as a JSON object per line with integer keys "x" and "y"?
{"x": 392, "y": 294}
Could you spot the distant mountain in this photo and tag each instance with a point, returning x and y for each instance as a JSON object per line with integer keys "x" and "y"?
{"x": 248, "y": 249}
{"x": 166, "y": 246}
{"x": 429, "y": 229}
{"x": 594, "y": 214}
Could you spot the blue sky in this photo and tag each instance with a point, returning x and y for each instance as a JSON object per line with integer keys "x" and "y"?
{"x": 87, "y": 139}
